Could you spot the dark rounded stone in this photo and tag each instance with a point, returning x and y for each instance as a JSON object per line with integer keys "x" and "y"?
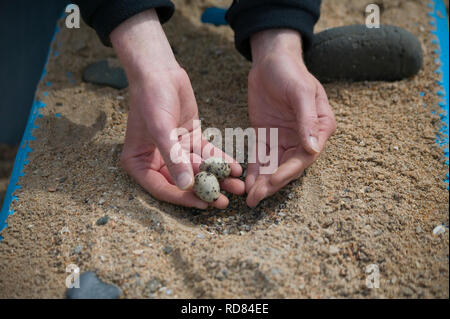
{"x": 93, "y": 288}
{"x": 106, "y": 72}
{"x": 357, "y": 53}
{"x": 102, "y": 221}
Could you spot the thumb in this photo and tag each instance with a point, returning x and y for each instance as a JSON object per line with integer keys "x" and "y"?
{"x": 308, "y": 121}
{"x": 176, "y": 157}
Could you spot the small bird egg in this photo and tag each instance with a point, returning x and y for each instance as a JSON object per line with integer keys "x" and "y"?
{"x": 206, "y": 187}
{"x": 217, "y": 166}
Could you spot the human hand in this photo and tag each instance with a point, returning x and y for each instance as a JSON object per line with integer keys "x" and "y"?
{"x": 162, "y": 100}
{"x": 283, "y": 94}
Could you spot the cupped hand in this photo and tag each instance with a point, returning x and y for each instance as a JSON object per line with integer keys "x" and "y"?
{"x": 162, "y": 130}
{"x": 282, "y": 94}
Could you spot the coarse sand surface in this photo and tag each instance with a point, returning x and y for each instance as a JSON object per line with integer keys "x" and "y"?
{"x": 373, "y": 197}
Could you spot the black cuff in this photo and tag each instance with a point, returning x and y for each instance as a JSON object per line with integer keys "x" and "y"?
{"x": 113, "y": 12}
{"x": 270, "y": 16}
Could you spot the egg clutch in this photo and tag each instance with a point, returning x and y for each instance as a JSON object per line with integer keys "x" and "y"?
{"x": 206, "y": 183}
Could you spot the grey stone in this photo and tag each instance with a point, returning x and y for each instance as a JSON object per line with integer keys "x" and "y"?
{"x": 153, "y": 285}
{"x": 78, "y": 249}
{"x": 93, "y": 288}
{"x": 357, "y": 53}
{"x": 106, "y": 72}
{"x": 102, "y": 220}
{"x": 438, "y": 230}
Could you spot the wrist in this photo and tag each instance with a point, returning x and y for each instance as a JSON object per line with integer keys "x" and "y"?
{"x": 275, "y": 42}
{"x": 142, "y": 46}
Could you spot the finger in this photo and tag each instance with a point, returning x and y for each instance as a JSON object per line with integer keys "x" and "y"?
{"x": 251, "y": 175}
{"x": 253, "y": 166}
{"x": 304, "y": 102}
{"x": 176, "y": 158}
{"x": 221, "y": 203}
{"x": 156, "y": 184}
{"x": 259, "y": 191}
{"x": 195, "y": 160}
{"x": 263, "y": 188}
{"x": 287, "y": 171}
{"x": 326, "y": 116}
{"x": 294, "y": 162}
{"x": 233, "y": 185}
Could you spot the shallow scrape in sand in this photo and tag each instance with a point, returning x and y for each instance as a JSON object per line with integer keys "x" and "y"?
{"x": 373, "y": 197}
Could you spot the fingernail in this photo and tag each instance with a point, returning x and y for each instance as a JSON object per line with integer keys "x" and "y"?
{"x": 314, "y": 144}
{"x": 184, "y": 180}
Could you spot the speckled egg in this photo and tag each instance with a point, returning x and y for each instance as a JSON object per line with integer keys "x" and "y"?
{"x": 206, "y": 187}
{"x": 217, "y": 166}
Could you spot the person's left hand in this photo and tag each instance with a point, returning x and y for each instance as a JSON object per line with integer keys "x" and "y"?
{"x": 283, "y": 94}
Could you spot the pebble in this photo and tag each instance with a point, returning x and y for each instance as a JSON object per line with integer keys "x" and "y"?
{"x": 78, "y": 249}
{"x": 153, "y": 285}
{"x": 91, "y": 287}
{"x": 102, "y": 221}
{"x": 438, "y": 230}
{"x": 106, "y": 72}
{"x": 167, "y": 250}
{"x": 388, "y": 53}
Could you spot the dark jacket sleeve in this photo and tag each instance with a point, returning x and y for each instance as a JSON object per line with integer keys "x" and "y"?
{"x": 247, "y": 17}
{"x": 105, "y": 15}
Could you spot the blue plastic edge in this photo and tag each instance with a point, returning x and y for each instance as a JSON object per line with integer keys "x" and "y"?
{"x": 24, "y": 149}
{"x": 439, "y": 19}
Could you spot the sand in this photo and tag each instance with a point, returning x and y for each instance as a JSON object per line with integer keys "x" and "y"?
{"x": 373, "y": 197}
{"x": 7, "y": 155}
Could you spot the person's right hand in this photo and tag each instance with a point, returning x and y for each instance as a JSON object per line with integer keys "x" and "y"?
{"x": 161, "y": 100}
